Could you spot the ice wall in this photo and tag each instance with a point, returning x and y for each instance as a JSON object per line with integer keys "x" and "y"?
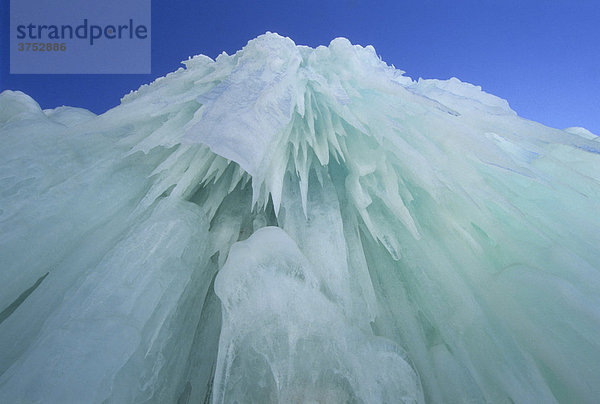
{"x": 289, "y": 224}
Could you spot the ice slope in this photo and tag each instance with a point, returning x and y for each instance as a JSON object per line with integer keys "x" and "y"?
{"x": 290, "y": 224}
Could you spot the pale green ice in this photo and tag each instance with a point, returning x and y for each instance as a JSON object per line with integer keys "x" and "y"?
{"x": 297, "y": 225}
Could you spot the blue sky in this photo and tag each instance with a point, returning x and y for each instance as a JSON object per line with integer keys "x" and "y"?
{"x": 542, "y": 56}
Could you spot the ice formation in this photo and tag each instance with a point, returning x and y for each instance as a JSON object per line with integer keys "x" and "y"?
{"x": 289, "y": 224}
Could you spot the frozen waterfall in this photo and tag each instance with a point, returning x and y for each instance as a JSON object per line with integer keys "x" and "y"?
{"x": 297, "y": 225}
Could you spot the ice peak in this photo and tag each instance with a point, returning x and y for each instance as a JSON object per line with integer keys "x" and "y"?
{"x": 277, "y": 109}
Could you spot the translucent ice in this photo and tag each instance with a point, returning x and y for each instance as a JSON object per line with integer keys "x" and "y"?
{"x": 289, "y": 224}
{"x": 281, "y": 326}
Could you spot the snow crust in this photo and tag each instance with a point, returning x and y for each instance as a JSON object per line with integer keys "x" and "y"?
{"x": 289, "y": 224}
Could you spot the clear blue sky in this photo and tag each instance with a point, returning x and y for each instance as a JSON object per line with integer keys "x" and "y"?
{"x": 542, "y": 56}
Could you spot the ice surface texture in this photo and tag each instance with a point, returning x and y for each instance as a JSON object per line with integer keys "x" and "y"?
{"x": 290, "y": 224}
